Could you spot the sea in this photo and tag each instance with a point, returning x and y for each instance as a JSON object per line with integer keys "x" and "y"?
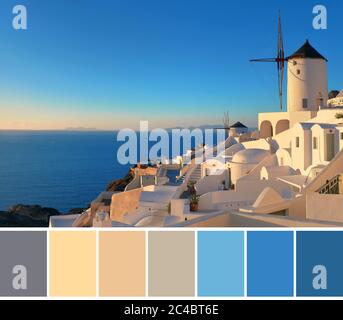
{"x": 57, "y": 169}
{"x": 62, "y": 169}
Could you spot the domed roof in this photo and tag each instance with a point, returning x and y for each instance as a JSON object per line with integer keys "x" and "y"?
{"x": 250, "y": 156}
{"x": 307, "y": 51}
{"x": 233, "y": 149}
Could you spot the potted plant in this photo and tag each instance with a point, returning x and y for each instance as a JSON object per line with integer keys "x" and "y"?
{"x": 194, "y": 202}
{"x": 193, "y": 197}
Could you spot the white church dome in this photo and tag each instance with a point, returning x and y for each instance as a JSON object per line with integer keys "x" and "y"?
{"x": 250, "y": 156}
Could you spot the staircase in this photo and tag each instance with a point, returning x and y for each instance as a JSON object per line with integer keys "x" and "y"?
{"x": 196, "y": 174}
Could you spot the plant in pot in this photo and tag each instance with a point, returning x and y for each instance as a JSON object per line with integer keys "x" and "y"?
{"x": 194, "y": 202}
{"x": 193, "y": 197}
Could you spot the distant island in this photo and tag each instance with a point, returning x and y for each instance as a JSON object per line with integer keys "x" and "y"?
{"x": 80, "y": 129}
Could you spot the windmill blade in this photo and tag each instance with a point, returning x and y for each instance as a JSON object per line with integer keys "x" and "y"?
{"x": 263, "y": 60}
{"x": 280, "y": 61}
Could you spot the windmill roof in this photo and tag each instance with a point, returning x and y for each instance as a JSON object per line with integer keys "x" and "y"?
{"x": 307, "y": 51}
{"x": 238, "y": 125}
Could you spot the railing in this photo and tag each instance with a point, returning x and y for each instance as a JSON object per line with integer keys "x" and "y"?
{"x": 331, "y": 186}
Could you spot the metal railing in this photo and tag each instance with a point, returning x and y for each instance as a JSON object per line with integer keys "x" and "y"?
{"x": 331, "y": 186}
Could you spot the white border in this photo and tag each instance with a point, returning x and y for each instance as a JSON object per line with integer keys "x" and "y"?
{"x": 245, "y": 262}
{"x": 146, "y": 264}
{"x": 97, "y": 269}
{"x": 196, "y": 290}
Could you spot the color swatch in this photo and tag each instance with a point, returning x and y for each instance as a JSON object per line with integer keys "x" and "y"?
{"x": 122, "y": 264}
{"x": 319, "y": 263}
{"x": 73, "y": 263}
{"x": 171, "y": 264}
{"x": 23, "y": 263}
{"x": 270, "y": 264}
{"x": 220, "y": 264}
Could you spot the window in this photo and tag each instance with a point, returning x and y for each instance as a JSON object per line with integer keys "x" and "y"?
{"x": 305, "y": 103}
{"x": 315, "y": 143}
{"x": 341, "y": 135}
{"x": 298, "y": 71}
{"x": 297, "y": 142}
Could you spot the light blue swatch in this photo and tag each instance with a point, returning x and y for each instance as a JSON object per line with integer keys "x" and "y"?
{"x": 220, "y": 263}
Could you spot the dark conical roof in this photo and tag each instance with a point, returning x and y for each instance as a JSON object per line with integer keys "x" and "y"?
{"x": 307, "y": 51}
{"x": 238, "y": 125}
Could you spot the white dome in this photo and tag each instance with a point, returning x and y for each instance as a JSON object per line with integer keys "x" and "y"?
{"x": 232, "y": 150}
{"x": 250, "y": 156}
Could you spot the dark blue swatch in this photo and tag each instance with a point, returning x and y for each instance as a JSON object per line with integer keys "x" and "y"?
{"x": 319, "y": 254}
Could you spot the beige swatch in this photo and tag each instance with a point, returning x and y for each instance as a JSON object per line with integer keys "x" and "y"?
{"x": 122, "y": 263}
{"x": 171, "y": 263}
{"x": 72, "y": 263}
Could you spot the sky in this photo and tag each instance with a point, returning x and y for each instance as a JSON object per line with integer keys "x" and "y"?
{"x": 107, "y": 64}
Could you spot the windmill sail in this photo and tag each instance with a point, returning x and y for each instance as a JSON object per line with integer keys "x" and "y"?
{"x": 280, "y": 61}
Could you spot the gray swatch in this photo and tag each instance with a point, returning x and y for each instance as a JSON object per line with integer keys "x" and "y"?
{"x": 23, "y": 263}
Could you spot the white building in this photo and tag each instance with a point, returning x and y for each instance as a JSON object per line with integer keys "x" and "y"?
{"x": 337, "y": 101}
{"x": 307, "y": 92}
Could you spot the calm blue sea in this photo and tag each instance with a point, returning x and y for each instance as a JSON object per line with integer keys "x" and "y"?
{"x": 58, "y": 169}
{"x": 62, "y": 170}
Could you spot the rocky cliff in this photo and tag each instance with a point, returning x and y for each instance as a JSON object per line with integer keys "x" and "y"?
{"x": 29, "y": 216}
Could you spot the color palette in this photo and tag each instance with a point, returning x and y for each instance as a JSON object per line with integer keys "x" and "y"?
{"x": 112, "y": 263}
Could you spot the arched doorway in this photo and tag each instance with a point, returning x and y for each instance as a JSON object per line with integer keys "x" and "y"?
{"x": 266, "y": 129}
{"x": 282, "y": 125}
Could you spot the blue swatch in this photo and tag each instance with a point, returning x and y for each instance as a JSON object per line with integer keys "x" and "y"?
{"x": 270, "y": 264}
{"x": 220, "y": 264}
{"x": 319, "y": 263}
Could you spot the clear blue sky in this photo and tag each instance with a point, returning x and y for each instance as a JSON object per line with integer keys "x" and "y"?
{"x": 110, "y": 63}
